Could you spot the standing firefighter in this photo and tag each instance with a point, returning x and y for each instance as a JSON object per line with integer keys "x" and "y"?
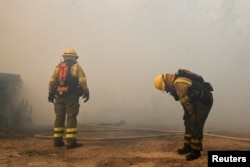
{"x": 196, "y": 99}
{"x": 66, "y": 85}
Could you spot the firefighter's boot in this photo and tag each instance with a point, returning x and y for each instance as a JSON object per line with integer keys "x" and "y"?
{"x": 73, "y": 144}
{"x": 194, "y": 154}
{"x": 185, "y": 149}
{"x": 58, "y": 142}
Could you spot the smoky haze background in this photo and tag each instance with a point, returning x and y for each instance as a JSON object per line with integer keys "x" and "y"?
{"x": 122, "y": 46}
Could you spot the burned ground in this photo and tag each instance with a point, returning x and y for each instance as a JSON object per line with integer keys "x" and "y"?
{"x": 109, "y": 148}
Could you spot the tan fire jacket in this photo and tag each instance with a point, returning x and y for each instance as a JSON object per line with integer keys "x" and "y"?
{"x": 181, "y": 85}
{"x": 76, "y": 71}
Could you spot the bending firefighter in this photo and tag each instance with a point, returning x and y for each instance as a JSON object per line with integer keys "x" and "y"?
{"x": 196, "y": 99}
{"x": 66, "y": 85}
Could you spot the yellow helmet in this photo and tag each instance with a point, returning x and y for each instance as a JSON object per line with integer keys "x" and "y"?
{"x": 70, "y": 52}
{"x": 159, "y": 82}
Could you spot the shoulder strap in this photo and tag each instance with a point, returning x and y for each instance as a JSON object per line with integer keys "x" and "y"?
{"x": 191, "y": 75}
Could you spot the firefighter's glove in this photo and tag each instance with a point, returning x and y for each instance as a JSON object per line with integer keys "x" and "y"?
{"x": 51, "y": 97}
{"x": 85, "y": 97}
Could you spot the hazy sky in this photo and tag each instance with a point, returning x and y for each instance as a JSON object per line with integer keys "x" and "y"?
{"x": 123, "y": 45}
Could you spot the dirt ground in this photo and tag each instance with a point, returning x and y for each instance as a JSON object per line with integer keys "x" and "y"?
{"x": 108, "y": 148}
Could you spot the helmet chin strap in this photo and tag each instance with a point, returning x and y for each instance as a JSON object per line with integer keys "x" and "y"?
{"x": 167, "y": 89}
{"x": 162, "y": 76}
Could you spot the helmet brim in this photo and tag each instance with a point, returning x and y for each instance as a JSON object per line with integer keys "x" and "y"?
{"x": 69, "y": 55}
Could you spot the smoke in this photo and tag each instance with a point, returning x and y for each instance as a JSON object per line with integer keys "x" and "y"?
{"x": 122, "y": 45}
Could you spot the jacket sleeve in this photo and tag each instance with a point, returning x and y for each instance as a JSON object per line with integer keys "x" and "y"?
{"x": 181, "y": 86}
{"x": 53, "y": 80}
{"x": 79, "y": 73}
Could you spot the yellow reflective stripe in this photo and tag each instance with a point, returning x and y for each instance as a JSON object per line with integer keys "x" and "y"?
{"x": 74, "y": 70}
{"x": 195, "y": 141}
{"x": 184, "y": 99}
{"x": 187, "y": 141}
{"x": 188, "y": 135}
{"x": 183, "y": 80}
{"x": 69, "y": 130}
{"x": 52, "y": 79}
{"x": 58, "y": 135}
{"x": 194, "y": 147}
{"x": 54, "y": 75}
{"x": 70, "y": 135}
{"x": 57, "y": 69}
{"x": 82, "y": 79}
{"x": 58, "y": 128}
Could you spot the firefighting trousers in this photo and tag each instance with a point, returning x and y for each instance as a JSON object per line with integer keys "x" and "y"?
{"x": 66, "y": 109}
{"x": 194, "y": 123}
